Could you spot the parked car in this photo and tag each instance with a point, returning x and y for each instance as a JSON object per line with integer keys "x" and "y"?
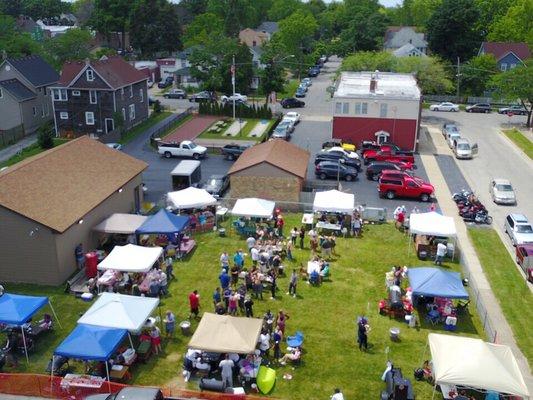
{"x": 519, "y": 229}
{"x": 332, "y": 169}
{"x": 182, "y": 149}
{"x": 446, "y": 106}
{"x": 216, "y": 185}
{"x": 524, "y": 258}
{"x": 233, "y": 151}
{"x": 338, "y": 143}
{"x": 335, "y": 157}
{"x": 341, "y": 150}
{"x": 388, "y": 153}
{"x": 452, "y": 138}
{"x": 282, "y": 131}
{"x": 373, "y": 171}
{"x": 369, "y": 149}
{"x": 303, "y": 87}
{"x": 479, "y": 108}
{"x": 293, "y": 116}
{"x": 291, "y": 102}
{"x": 406, "y": 186}
{"x": 175, "y": 94}
{"x": 299, "y": 92}
{"x": 130, "y": 393}
{"x": 449, "y": 128}
{"x": 502, "y": 191}
{"x": 288, "y": 122}
{"x": 307, "y": 81}
{"x": 116, "y": 146}
{"x": 313, "y": 72}
{"x": 373, "y": 145}
{"x": 164, "y": 83}
{"x": 202, "y": 96}
{"x": 516, "y": 110}
{"x": 463, "y": 149}
{"x": 237, "y": 97}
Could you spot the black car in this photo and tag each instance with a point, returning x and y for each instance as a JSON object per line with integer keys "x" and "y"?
{"x": 164, "y": 83}
{"x": 479, "y": 108}
{"x": 515, "y": 110}
{"x": 335, "y": 157}
{"x": 333, "y": 169}
{"x": 233, "y": 151}
{"x": 313, "y": 72}
{"x": 202, "y": 96}
{"x": 291, "y": 102}
{"x": 373, "y": 171}
{"x": 216, "y": 185}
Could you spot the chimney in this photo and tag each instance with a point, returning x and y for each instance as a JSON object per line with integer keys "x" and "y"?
{"x": 373, "y": 84}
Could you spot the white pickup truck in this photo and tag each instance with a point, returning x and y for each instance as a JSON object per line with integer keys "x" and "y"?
{"x": 182, "y": 149}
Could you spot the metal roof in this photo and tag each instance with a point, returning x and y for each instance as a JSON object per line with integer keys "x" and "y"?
{"x": 390, "y": 85}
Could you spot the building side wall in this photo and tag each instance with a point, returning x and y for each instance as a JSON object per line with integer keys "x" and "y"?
{"x": 124, "y": 101}
{"x": 271, "y": 188}
{"x": 399, "y": 109}
{"x": 10, "y": 116}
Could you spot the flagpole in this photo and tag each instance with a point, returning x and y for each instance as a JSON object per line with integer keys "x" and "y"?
{"x": 233, "y": 83}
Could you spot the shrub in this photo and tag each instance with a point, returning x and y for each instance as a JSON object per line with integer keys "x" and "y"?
{"x": 45, "y": 136}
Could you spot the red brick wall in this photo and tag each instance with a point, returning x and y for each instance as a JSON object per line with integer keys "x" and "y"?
{"x": 402, "y": 131}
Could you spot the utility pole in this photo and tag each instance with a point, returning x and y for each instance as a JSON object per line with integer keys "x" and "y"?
{"x": 233, "y": 83}
{"x": 458, "y": 76}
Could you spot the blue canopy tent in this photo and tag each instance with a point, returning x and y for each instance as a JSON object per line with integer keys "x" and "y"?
{"x": 435, "y": 282}
{"x": 16, "y": 309}
{"x": 163, "y": 222}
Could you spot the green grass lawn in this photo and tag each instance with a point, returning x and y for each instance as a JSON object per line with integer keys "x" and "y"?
{"x": 521, "y": 141}
{"x": 143, "y": 126}
{"x": 508, "y": 285}
{"x": 326, "y": 315}
{"x": 289, "y": 89}
{"x": 29, "y": 151}
{"x": 243, "y": 135}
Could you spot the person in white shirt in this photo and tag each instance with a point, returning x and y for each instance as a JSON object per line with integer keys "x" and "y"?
{"x": 337, "y": 395}
{"x": 224, "y": 261}
{"x": 254, "y": 252}
{"x": 227, "y": 371}
{"x": 250, "y": 242}
{"x": 441, "y": 252}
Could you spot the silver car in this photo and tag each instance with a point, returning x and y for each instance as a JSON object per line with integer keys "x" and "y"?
{"x": 502, "y": 191}
{"x": 519, "y": 229}
{"x": 463, "y": 149}
{"x": 452, "y": 137}
{"x": 445, "y": 106}
{"x": 282, "y": 131}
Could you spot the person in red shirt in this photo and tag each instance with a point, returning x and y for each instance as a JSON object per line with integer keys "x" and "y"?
{"x": 194, "y": 302}
{"x": 400, "y": 219}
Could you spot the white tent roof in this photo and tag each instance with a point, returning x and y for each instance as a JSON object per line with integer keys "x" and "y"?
{"x": 113, "y": 310}
{"x": 252, "y": 207}
{"x": 432, "y": 223}
{"x": 131, "y": 258}
{"x": 334, "y": 201}
{"x": 190, "y": 198}
{"x": 121, "y": 223}
{"x": 474, "y": 363}
{"x": 226, "y": 334}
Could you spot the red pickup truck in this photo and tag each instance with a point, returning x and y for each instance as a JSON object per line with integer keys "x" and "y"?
{"x": 388, "y": 153}
{"x": 391, "y": 186}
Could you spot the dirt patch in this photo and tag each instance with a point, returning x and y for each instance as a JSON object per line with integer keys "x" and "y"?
{"x": 191, "y": 129}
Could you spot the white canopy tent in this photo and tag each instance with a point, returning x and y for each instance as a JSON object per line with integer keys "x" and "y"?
{"x": 113, "y": 310}
{"x": 253, "y": 207}
{"x": 432, "y": 223}
{"x": 334, "y": 201}
{"x": 190, "y": 198}
{"x": 475, "y": 364}
{"x": 121, "y": 223}
{"x": 131, "y": 258}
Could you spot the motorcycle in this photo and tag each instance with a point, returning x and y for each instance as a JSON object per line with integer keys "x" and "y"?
{"x": 463, "y": 195}
{"x": 479, "y": 217}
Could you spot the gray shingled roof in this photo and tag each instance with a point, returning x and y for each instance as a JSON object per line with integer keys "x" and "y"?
{"x": 268, "y": 27}
{"x": 17, "y": 89}
{"x": 35, "y": 70}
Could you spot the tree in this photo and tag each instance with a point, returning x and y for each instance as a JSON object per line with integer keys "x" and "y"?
{"x": 516, "y": 25}
{"x": 236, "y": 14}
{"x": 202, "y": 28}
{"x": 154, "y": 27}
{"x": 45, "y": 136}
{"x": 476, "y": 74}
{"x": 272, "y": 76}
{"x": 369, "y": 61}
{"x": 39, "y": 9}
{"x": 429, "y": 72}
{"x": 13, "y": 8}
{"x": 452, "y": 30}
{"x": 281, "y": 9}
{"x": 83, "y": 10}
{"x": 74, "y": 44}
{"x": 111, "y": 16}
{"x": 490, "y": 11}
{"x": 517, "y": 84}
{"x": 15, "y": 43}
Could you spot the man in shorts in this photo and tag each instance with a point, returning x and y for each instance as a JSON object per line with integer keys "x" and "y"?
{"x": 194, "y": 302}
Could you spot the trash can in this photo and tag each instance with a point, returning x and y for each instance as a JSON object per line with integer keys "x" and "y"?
{"x": 222, "y": 232}
{"x": 185, "y": 328}
{"x": 394, "y": 334}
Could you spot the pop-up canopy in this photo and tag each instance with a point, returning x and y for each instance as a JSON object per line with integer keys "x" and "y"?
{"x": 131, "y": 258}
{"x": 432, "y": 223}
{"x": 121, "y": 223}
{"x": 120, "y": 311}
{"x": 428, "y": 281}
{"x": 190, "y": 198}
{"x": 334, "y": 201}
{"x": 226, "y": 334}
{"x": 163, "y": 222}
{"x": 475, "y": 364}
{"x": 253, "y": 207}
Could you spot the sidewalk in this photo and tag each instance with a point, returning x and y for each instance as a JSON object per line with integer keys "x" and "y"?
{"x": 10, "y": 151}
{"x": 448, "y": 207}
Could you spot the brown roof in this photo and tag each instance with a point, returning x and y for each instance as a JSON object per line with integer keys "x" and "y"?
{"x": 60, "y": 186}
{"x": 278, "y": 153}
{"x": 501, "y": 49}
{"x": 113, "y": 69}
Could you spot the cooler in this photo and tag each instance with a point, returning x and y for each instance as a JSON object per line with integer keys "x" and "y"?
{"x": 91, "y": 264}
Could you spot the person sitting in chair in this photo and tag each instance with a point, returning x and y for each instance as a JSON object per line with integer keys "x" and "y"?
{"x": 294, "y": 355}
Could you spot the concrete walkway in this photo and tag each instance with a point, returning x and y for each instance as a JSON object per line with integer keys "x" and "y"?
{"x": 10, "y": 151}
{"x": 449, "y": 208}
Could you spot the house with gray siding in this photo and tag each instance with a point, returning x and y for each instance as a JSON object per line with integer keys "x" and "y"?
{"x": 25, "y": 102}
{"x": 91, "y": 96}
{"x": 398, "y": 36}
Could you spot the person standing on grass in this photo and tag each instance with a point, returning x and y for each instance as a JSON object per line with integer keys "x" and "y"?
{"x": 290, "y": 246}
{"x": 234, "y": 272}
{"x": 277, "y": 338}
{"x": 301, "y": 234}
{"x": 281, "y": 320}
{"x": 258, "y": 286}
{"x": 170, "y": 323}
{"x": 273, "y": 286}
{"x": 155, "y": 338}
{"x": 224, "y": 279}
{"x": 194, "y": 302}
{"x": 362, "y": 334}
{"x": 254, "y": 253}
{"x": 294, "y": 235}
{"x": 224, "y": 261}
{"x": 232, "y": 306}
{"x": 337, "y": 395}
{"x": 248, "y": 306}
{"x": 238, "y": 259}
{"x": 292, "y": 283}
{"x": 250, "y": 242}
{"x": 217, "y": 297}
{"x": 226, "y": 365}
{"x": 441, "y": 252}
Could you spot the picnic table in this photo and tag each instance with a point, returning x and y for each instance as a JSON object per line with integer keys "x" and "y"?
{"x": 83, "y": 381}
{"x": 327, "y": 225}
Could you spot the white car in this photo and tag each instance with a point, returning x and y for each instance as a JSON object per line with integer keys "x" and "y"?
{"x": 116, "y": 146}
{"x": 288, "y": 122}
{"x": 452, "y": 137}
{"x": 293, "y": 116}
{"x": 502, "y": 191}
{"x": 519, "y": 229}
{"x": 237, "y": 97}
{"x": 340, "y": 150}
{"x": 446, "y": 106}
{"x": 183, "y": 149}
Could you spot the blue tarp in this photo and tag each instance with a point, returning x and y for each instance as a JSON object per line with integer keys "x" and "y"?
{"x": 16, "y": 309}
{"x": 89, "y": 342}
{"x": 164, "y": 222}
{"x": 428, "y": 281}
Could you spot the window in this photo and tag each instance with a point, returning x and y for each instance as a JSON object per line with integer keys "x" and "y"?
{"x": 63, "y": 115}
{"x": 75, "y": 92}
{"x": 42, "y": 111}
{"x": 361, "y": 108}
{"x": 90, "y": 75}
{"x": 511, "y": 66}
{"x": 503, "y": 66}
{"x": 44, "y": 88}
{"x": 60, "y": 95}
{"x": 122, "y": 92}
{"x": 141, "y": 95}
{"x": 47, "y": 109}
{"x": 124, "y": 114}
{"x": 338, "y": 108}
{"x": 345, "y": 108}
{"x": 132, "y": 112}
{"x": 383, "y": 110}
{"x": 89, "y": 118}
{"x": 34, "y": 109}
{"x": 131, "y": 91}
{"x": 92, "y": 96}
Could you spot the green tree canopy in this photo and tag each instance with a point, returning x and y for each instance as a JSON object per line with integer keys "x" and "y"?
{"x": 74, "y": 44}
{"x": 111, "y": 16}
{"x": 452, "y": 30}
{"x": 202, "y": 28}
{"x": 83, "y": 10}
{"x": 369, "y": 61}
{"x": 281, "y": 9}
{"x": 236, "y": 14}
{"x": 516, "y": 25}
{"x": 476, "y": 74}
{"x": 38, "y": 9}
{"x": 15, "y": 43}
